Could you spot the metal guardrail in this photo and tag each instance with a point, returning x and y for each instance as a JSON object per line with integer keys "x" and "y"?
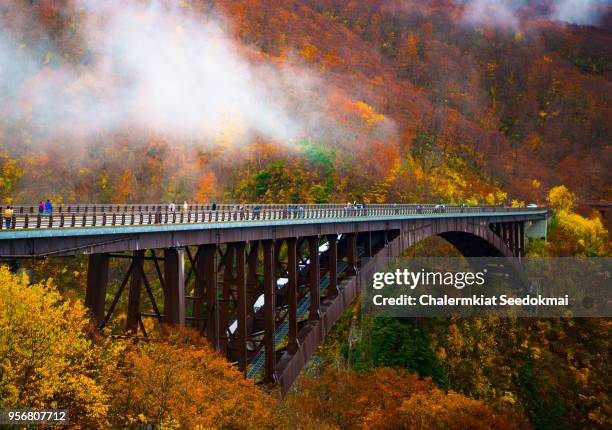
{"x": 71, "y": 216}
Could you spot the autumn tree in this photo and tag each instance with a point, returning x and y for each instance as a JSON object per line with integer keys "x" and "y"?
{"x": 46, "y": 358}
{"x": 388, "y": 398}
{"x": 176, "y": 380}
{"x": 572, "y": 234}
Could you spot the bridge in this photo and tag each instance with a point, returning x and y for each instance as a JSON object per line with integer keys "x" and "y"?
{"x": 263, "y": 283}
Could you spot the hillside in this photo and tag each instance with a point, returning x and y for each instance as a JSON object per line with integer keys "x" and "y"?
{"x": 428, "y": 106}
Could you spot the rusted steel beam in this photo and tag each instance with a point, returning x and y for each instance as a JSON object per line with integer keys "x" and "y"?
{"x": 149, "y": 291}
{"x": 521, "y": 239}
{"x": 367, "y": 244}
{"x": 280, "y": 267}
{"x": 152, "y": 237}
{"x": 333, "y": 263}
{"x": 97, "y": 281}
{"x": 135, "y": 293}
{"x": 199, "y": 289}
{"x": 174, "y": 294}
{"x": 314, "y": 278}
{"x": 226, "y": 294}
{"x": 118, "y": 294}
{"x": 292, "y": 345}
{"x": 241, "y": 311}
{"x": 351, "y": 253}
{"x": 209, "y": 261}
{"x": 269, "y": 309}
{"x": 517, "y": 239}
{"x": 253, "y": 290}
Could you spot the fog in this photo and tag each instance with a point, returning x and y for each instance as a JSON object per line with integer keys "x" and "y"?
{"x": 505, "y": 13}
{"x": 156, "y": 67}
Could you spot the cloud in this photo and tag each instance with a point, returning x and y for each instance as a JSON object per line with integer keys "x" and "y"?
{"x": 492, "y": 13}
{"x": 157, "y": 67}
{"x": 578, "y": 11}
{"x": 505, "y": 13}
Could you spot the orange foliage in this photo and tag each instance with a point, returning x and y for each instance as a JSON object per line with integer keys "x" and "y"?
{"x": 390, "y": 399}
{"x": 178, "y": 381}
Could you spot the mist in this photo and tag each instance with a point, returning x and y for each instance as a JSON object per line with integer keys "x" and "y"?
{"x": 506, "y": 13}
{"x": 156, "y": 67}
{"x": 494, "y": 13}
{"x": 578, "y": 11}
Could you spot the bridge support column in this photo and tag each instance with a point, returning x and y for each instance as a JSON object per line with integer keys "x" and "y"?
{"x": 314, "y": 276}
{"x": 292, "y": 345}
{"x": 133, "y": 313}
{"x": 516, "y": 240}
{"x": 351, "y": 253}
{"x": 97, "y": 281}
{"x": 253, "y": 287}
{"x": 269, "y": 309}
{"x": 241, "y": 311}
{"x": 367, "y": 244}
{"x": 521, "y": 239}
{"x": 174, "y": 280}
{"x": 199, "y": 291}
{"x": 228, "y": 280}
{"x": 505, "y": 235}
{"x": 333, "y": 263}
{"x": 208, "y": 262}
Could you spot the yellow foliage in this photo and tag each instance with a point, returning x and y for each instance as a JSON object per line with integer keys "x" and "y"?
{"x": 46, "y": 358}
{"x": 578, "y": 235}
{"x": 560, "y": 198}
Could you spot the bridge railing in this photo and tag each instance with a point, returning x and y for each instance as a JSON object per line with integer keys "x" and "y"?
{"x": 113, "y": 215}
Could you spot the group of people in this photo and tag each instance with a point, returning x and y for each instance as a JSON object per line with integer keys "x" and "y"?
{"x": 357, "y": 208}
{"x": 172, "y": 206}
{"x": 45, "y": 208}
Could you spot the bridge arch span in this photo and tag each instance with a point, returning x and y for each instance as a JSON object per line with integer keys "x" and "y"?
{"x": 471, "y": 237}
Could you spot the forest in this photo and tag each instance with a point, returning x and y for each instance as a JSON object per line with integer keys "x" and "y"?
{"x": 309, "y": 101}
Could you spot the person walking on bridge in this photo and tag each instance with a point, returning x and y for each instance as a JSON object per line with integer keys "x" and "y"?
{"x": 8, "y": 216}
{"x": 41, "y": 207}
{"x": 185, "y": 206}
{"x": 48, "y": 207}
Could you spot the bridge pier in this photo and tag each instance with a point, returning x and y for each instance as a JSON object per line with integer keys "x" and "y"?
{"x": 199, "y": 290}
{"x": 332, "y": 239}
{"x": 314, "y": 278}
{"x": 241, "y": 309}
{"x": 174, "y": 286}
{"x": 292, "y": 345}
{"x": 208, "y": 257}
{"x": 97, "y": 282}
{"x": 521, "y": 240}
{"x": 226, "y": 293}
{"x": 269, "y": 309}
{"x": 253, "y": 287}
{"x": 367, "y": 244}
{"x": 351, "y": 253}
